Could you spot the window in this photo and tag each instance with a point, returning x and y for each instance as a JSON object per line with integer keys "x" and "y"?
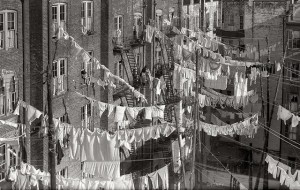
{"x": 159, "y": 20}
{"x": 59, "y": 76}
{"x": 295, "y": 72}
{"x": 137, "y": 28}
{"x": 8, "y": 29}
{"x": 293, "y": 133}
{"x": 88, "y": 67}
{"x": 118, "y": 29}
{"x": 293, "y": 39}
{"x": 86, "y": 116}
{"x": 118, "y": 23}
{"x": 138, "y": 61}
{"x": 2, "y": 97}
{"x": 87, "y": 16}
{"x": 2, "y": 162}
{"x": 59, "y": 14}
{"x": 63, "y": 173}
{"x": 241, "y": 22}
{"x": 293, "y": 102}
{"x": 8, "y": 92}
{"x": 230, "y": 20}
{"x": 8, "y": 157}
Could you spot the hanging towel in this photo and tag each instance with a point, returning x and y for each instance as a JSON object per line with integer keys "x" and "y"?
{"x": 32, "y": 114}
{"x": 110, "y": 109}
{"x": 154, "y": 179}
{"x": 148, "y": 113}
{"x": 120, "y": 111}
{"x": 164, "y": 175}
{"x": 283, "y": 114}
{"x": 144, "y": 183}
{"x": 102, "y": 108}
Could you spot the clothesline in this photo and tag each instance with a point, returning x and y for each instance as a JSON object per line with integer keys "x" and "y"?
{"x": 248, "y": 127}
{"x": 132, "y": 112}
{"x": 285, "y": 115}
{"x": 87, "y": 57}
{"x": 278, "y": 169}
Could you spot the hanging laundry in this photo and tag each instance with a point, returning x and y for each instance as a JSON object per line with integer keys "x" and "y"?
{"x": 283, "y": 114}
{"x": 283, "y": 172}
{"x": 154, "y": 179}
{"x": 144, "y": 183}
{"x": 248, "y": 127}
{"x": 278, "y": 67}
{"x": 158, "y": 111}
{"x": 102, "y": 108}
{"x": 148, "y": 113}
{"x": 133, "y": 112}
{"x": 110, "y": 108}
{"x": 201, "y": 100}
{"x": 220, "y": 83}
{"x": 295, "y": 120}
{"x": 149, "y": 33}
{"x": 120, "y": 111}
{"x": 3, "y": 122}
{"x": 59, "y": 152}
{"x": 105, "y": 171}
{"x": 216, "y": 121}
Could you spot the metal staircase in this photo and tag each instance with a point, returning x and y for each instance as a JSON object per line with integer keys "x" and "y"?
{"x": 168, "y": 68}
{"x": 133, "y": 66}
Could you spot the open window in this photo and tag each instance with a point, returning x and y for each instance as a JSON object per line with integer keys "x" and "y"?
{"x": 87, "y": 16}
{"x": 8, "y": 29}
{"x": 59, "y": 76}
{"x": 59, "y": 18}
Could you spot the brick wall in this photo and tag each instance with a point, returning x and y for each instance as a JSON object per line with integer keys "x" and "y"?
{"x": 12, "y": 59}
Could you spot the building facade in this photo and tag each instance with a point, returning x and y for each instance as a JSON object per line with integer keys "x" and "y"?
{"x": 11, "y": 79}
{"x": 290, "y": 97}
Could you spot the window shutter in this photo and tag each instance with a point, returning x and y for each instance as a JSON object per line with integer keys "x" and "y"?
{"x": 54, "y": 86}
{"x": 65, "y": 82}
{"x": 116, "y": 23}
{"x": 54, "y": 69}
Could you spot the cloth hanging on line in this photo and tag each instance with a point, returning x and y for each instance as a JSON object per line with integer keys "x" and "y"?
{"x": 213, "y": 98}
{"x": 285, "y": 115}
{"x": 278, "y": 169}
{"x": 108, "y": 74}
{"x": 96, "y": 147}
{"x": 248, "y": 127}
{"x": 220, "y": 83}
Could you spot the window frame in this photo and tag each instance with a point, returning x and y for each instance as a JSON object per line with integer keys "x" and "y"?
{"x": 5, "y": 37}
{"x": 59, "y": 65}
{"x": 6, "y": 162}
{"x": 292, "y": 40}
{"x": 3, "y": 162}
{"x": 9, "y": 92}
{"x": 86, "y": 113}
{"x": 85, "y": 16}
{"x": 295, "y": 71}
{"x": 292, "y": 133}
{"x": 242, "y": 22}
{"x": 291, "y": 98}
{"x": 59, "y": 22}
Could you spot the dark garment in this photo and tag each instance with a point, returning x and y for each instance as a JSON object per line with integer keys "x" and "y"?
{"x": 59, "y": 151}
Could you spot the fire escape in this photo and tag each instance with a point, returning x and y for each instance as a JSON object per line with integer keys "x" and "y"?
{"x": 128, "y": 60}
